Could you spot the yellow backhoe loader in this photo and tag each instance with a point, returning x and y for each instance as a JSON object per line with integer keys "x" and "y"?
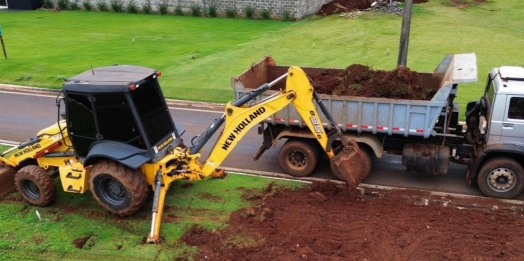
{"x": 118, "y": 140}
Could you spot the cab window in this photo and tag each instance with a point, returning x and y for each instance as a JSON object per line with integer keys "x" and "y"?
{"x": 516, "y": 108}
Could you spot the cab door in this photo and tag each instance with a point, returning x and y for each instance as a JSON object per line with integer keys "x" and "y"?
{"x": 513, "y": 122}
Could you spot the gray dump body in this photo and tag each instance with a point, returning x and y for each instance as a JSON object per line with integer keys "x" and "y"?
{"x": 375, "y": 115}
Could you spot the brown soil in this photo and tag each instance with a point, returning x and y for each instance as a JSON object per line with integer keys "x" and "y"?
{"x": 360, "y": 80}
{"x": 341, "y": 6}
{"x": 325, "y": 222}
{"x": 81, "y": 241}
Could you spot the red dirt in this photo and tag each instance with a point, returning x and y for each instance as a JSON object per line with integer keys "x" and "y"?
{"x": 81, "y": 241}
{"x": 360, "y": 80}
{"x": 340, "y": 6}
{"x": 325, "y": 222}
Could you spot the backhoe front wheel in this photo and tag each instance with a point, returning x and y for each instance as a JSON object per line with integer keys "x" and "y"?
{"x": 298, "y": 158}
{"x": 35, "y": 185}
{"x": 501, "y": 177}
{"x": 117, "y": 188}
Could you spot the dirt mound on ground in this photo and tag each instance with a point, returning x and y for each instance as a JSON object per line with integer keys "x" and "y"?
{"x": 325, "y": 222}
{"x": 360, "y": 80}
{"x": 341, "y": 6}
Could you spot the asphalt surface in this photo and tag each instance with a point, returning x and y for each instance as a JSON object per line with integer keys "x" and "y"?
{"x": 27, "y": 110}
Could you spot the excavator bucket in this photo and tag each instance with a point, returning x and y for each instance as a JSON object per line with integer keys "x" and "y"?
{"x": 7, "y": 180}
{"x": 349, "y": 165}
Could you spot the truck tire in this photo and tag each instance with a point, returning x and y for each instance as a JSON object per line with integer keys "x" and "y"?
{"x": 501, "y": 177}
{"x": 117, "y": 188}
{"x": 298, "y": 158}
{"x": 368, "y": 159}
{"x": 35, "y": 185}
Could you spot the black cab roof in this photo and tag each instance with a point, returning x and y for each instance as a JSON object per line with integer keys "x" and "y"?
{"x": 116, "y": 78}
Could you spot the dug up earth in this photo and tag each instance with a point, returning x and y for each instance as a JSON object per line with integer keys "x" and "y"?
{"x": 327, "y": 222}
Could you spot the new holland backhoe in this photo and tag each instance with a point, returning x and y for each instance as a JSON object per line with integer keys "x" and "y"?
{"x": 118, "y": 140}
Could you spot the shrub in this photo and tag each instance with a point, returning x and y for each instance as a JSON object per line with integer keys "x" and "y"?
{"x": 88, "y": 6}
{"x": 49, "y": 4}
{"x": 131, "y": 7}
{"x": 116, "y": 5}
{"x": 266, "y": 14}
{"x": 73, "y": 5}
{"x": 212, "y": 11}
{"x": 196, "y": 10}
{"x": 162, "y": 7}
{"x": 146, "y": 7}
{"x": 231, "y": 12}
{"x": 286, "y": 15}
{"x": 62, "y": 4}
{"x": 249, "y": 12}
{"x": 101, "y": 5}
{"x": 178, "y": 10}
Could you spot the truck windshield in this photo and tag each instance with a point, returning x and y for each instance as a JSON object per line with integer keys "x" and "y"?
{"x": 153, "y": 111}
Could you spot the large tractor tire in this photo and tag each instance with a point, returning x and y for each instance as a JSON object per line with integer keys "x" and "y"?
{"x": 501, "y": 177}
{"x": 117, "y": 188}
{"x": 298, "y": 158}
{"x": 35, "y": 185}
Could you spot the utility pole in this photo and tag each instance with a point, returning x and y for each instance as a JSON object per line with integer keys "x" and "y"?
{"x": 404, "y": 35}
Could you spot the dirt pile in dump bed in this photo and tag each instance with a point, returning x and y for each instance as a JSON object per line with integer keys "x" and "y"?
{"x": 360, "y": 80}
{"x": 326, "y": 222}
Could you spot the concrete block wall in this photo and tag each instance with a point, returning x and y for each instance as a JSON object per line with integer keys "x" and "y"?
{"x": 297, "y": 9}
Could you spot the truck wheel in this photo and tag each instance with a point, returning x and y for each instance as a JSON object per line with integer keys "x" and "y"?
{"x": 298, "y": 158}
{"x": 35, "y": 185}
{"x": 368, "y": 159}
{"x": 117, "y": 188}
{"x": 501, "y": 178}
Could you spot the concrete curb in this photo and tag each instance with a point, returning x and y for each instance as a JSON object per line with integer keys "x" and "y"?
{"x": 365, "y": 188}
{"x": 170, "y": 102}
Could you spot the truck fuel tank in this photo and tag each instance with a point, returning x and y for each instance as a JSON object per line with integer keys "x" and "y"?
{"x": 427, "y": 158}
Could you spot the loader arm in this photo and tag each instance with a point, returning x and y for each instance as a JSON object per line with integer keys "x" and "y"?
{"x": 238, "y": 120}
{"x": 346, "y": 162}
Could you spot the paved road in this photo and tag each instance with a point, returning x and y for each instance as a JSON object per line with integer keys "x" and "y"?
{"x": 23, "y": 114}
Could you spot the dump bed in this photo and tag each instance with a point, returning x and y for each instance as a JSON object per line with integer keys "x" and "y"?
{"x": 363, "y": 114}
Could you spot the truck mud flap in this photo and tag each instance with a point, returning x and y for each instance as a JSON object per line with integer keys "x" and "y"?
{"x": 349, "y": 165}
{"x": 7, "y": 180}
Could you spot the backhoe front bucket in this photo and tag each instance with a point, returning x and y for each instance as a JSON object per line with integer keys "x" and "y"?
{"x": 7, "y": 180}
{"x": 349, "y": 165}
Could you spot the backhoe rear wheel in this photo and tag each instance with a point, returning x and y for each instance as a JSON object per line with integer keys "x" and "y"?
{"x": 35, "y": 185}
{"x": 298, "y": 158}
{"x": 117, "y": 188}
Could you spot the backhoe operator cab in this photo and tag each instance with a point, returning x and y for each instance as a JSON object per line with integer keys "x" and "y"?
{"x": 119, "y": 112}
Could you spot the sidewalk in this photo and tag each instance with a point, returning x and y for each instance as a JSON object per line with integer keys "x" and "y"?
{"x": 170, "y": 102}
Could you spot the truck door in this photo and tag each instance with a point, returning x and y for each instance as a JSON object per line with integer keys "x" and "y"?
{"x": 513, "y": 123}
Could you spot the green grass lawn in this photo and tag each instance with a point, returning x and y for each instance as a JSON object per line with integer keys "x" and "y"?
{"x": 207, "y": 203}
{"x": 73, "y": 217}
{"x": 44, "y": 46}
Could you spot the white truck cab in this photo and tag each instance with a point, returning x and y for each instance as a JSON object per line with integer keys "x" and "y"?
{"x": 505, "y": 100}
{"x": 496, "y": 130}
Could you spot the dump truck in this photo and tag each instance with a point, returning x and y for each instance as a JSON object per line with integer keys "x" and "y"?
{"x": 427, "y": 133}
{"x": 118, "y": 140}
